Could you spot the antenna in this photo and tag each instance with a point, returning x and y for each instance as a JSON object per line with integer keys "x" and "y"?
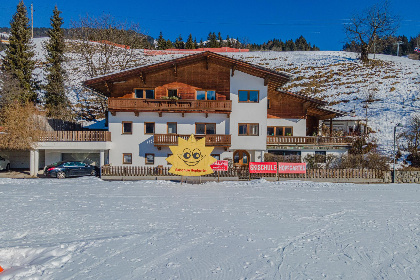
{"x": 32, "y": 19}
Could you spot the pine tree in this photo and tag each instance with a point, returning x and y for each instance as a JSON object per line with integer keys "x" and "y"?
{"x": 179, "y": 43}
{"x": 169, "y": 44}
{"x": 201, "y": 44}
{"x": 161, "y": 43}
{"x": 228, "y": 42}
{"x": 195, "y": 43}
{"x": 219, "y": 38}
{"x": 18, "y": 60}
{"x": 190, "y": 43}
{"x": 56, "y": 101}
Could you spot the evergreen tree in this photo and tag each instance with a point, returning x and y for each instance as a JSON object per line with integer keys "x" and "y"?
{"x": 228, "y": 42}
{"x": 212, "y": 41}
{"x": 201, "y": 44}
{"x": 195, "y": 43}
{"x": 18, "y": 60}
{"x": 179, "y": 43}
{"x": 220, "y": 40}
{"x": 161, "y": 43}
{"x": 169, "y": 44}
{"x": 190, "y": 43}
{"x": 56, "y": 101}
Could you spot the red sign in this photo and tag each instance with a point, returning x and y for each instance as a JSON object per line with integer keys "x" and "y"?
{"x": 220, "y": 165}
{"x": 286, "y": 167}
{"x": 262, "y": 167}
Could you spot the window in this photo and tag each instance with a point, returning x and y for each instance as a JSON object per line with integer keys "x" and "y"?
{"x": 149, "y": 128}
{"x": 250, "y": 129}
{"x": 172, "y": 93}
{"x": 320, "y": 156}
{"x": 249, "y": 96}
{"x": 149, "y": 158}
{"x": 127, "y": 158}
{"x": 206, "y": 95}
{"x": 279, "y": 131}
{"x": 171, "y": 127}
{"x": 144, "y": 93}
{"x": 205, "y": 128}
{"x": 127, "y": 127}
{"x": 216, "y": 156}
{"x": 240, "y": 158}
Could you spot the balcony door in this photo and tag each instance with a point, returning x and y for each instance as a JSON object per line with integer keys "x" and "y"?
{"x": 241, "y": 158}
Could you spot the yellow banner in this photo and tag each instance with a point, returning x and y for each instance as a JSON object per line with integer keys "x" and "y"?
{"x": 191, "y": 157}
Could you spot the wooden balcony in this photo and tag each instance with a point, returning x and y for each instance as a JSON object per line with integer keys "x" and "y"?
{"x": 213, "y": 140}
{"x": 75, "y": 136}
{"x": 309, "y": 140}
{"x": 169, "y": 106}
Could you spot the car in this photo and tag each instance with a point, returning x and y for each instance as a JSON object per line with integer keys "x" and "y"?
{"x": 4, "y": 164}
{"x": 63, "y": 169}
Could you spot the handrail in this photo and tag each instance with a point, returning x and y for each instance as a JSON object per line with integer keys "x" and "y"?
{"x": 75, "y": 136}
{"x": 211, "y": 139}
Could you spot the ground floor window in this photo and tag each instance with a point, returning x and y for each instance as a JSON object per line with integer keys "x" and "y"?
{"x": 320, "y": 156}
{"x": 240, "y": 158}
{"x": 127, "y": 158}
{"x": 150, "y": 158}
{"x": 216, "y": 156}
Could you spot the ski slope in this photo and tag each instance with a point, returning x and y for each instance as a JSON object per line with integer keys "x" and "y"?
{"x": 86, "y": 228}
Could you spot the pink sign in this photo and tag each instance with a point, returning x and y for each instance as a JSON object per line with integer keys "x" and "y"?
{"x": 262, "y": 167}
{"x": 286, "y": 167}
{"x": 220, "y": 165}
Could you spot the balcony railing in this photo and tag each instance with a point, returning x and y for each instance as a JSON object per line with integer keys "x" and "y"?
{"x": 75, "y": 136}
{"x": 163, "y": 105}
{"x": 309, "y": 140}
{"x": 216, "y": 140}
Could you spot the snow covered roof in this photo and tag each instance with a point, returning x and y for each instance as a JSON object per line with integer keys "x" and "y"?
{"x": 275, "y": 77}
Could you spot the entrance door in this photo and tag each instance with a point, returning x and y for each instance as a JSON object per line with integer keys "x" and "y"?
{"x": 241, "y": 158}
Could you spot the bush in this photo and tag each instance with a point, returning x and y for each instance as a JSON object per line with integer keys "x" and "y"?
{"x": 371, "y": 160}
{"x": 320, "y": 161}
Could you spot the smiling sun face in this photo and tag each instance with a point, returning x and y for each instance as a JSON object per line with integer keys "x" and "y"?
{"x": 191, "y": 157}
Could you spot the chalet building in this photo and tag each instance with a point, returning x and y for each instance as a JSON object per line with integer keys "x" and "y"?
{"x": 239, "y": 108}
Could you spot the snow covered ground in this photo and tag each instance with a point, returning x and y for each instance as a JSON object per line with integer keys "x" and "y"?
{"x": 85, "y": 228}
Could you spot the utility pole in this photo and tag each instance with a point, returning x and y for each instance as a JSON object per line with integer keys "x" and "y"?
{"x": 398, "y": 47}
{"x": 32, "y": 19}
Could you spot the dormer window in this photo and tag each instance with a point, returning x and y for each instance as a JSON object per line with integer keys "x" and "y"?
{"x": 172, "y": 93}
{"x": 144, "y": 93}
{"x": 206, "y": 95}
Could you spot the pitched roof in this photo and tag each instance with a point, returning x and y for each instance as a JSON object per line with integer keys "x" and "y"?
{"x": 277, "y": 78}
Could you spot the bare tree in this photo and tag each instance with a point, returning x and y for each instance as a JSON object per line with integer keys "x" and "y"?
{"x": 375, "y": 23}
{"x": 105, "y": 44}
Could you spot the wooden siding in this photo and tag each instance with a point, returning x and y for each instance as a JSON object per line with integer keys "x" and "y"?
{"x": 186, "y": 79}
{"x": 284, "y": 107}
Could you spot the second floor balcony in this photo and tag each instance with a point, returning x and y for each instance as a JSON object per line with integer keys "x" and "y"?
{"x": 213, "y": 140}
{"x": 309, "y": 140}
{"x": 169, "y": 106}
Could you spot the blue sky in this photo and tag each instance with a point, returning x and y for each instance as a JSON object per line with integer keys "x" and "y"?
{"x": 320, "y": 22}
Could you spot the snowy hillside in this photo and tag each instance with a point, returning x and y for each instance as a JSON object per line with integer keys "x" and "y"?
{"x": 392, "y": 83}
{"x": 85, "y": 228}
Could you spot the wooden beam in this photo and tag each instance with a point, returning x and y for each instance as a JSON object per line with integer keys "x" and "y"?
{"x": 143, "y": 77}
{"x": 233, "y": 69}
{"x": 107, "y": 87}
{"x": 160, "y": 114}
{"x": 175, "y": 70}
{"x": 136, "y": 113}
{"x": 207, "y": 63}
{"x": 113, "y": 113}
{"x": 266, "y": 80}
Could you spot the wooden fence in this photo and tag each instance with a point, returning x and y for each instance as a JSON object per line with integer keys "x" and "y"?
{"x": 242, "y": 173}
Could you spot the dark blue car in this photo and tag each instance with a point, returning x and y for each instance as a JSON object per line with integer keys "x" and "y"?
{"x": 63, "y": 169}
